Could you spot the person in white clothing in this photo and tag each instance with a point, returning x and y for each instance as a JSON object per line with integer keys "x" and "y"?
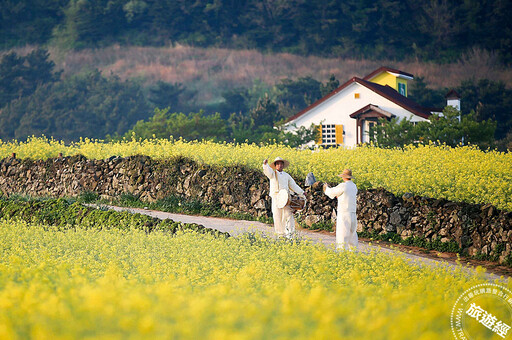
{"x": 284, "y": 222}
{"x": 346, "y": 221}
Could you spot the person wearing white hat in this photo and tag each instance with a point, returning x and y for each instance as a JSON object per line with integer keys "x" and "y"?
{"x": 346, "y": 221}
{"x": 284, "y": 222}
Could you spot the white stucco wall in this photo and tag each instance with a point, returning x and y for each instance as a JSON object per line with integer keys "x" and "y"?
{"x": 338, "y": 108}
{"x": 454, "y": 102}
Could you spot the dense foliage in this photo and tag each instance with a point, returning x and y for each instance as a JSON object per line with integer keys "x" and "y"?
{"x": 438, "y": 30}
{"x": 64, "y": 215}
{"x": 85, "y": 105}
{"x": 20, "y": 76}
{"x": 195, "y": 126}
{"x": 237, "y": 128}
{"x": 449, "y": 128}
{"x": 36, "y": 101}
{"x": 128, "y": 284}
{"x": 426, "y": 170}
{"x": 484, "y": 99}
{"x": 29, "y": 21}
{"x": 490, "y": 100}
{"x": 234, "y": 120}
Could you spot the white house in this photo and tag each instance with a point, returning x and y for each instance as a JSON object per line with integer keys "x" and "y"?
{"x": 347, "y": 113}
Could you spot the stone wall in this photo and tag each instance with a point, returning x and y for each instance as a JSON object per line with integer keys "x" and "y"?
{"x": 234, "y": 189}
{"x": 477, "y": 229}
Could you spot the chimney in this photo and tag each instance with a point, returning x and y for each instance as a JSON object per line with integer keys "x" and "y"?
{"x": 453, "y": 99}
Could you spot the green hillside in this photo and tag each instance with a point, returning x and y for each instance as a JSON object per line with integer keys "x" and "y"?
{"x": 429, "y": 30}
{"x": 94, "y": 68}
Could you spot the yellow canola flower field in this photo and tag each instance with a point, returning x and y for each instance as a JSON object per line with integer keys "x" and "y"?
{"x": 131, "y": 285}
{"x": 458, "y": 174}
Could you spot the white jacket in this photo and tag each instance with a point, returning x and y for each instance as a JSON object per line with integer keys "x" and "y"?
{"x": 346, "y": 193}
{"x": 285, "y": 181}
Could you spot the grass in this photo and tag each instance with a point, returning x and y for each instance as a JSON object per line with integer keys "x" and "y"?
{"x": 173, "y": 204}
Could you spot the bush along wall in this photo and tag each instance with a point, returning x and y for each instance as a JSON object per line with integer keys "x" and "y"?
{"x": 476, "y": 230}
{"x": 63, "y": 214}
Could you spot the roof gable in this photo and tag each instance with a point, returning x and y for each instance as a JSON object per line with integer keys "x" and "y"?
{"x": 372, "y": 108}
{"x": 397, "y": 98}
{"x": 321, "y": 100}
{"x": 452, "y": 95}
{"x": 384, "y": 91}
{"x": 397, "y": 73}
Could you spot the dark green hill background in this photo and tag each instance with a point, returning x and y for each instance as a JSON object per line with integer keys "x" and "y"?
{"x": 428, "y": 30}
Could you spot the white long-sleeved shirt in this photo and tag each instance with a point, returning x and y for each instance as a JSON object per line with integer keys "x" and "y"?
{"x": 283, "y": 181}
{"x": 346, "y": 193}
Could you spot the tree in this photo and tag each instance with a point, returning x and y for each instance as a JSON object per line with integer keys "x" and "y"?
{"x": 176, "y": 96}
{"x": 29, "y": 21}
{"x": 91, "y": 22}
{"x": 478, "y": 133}
{"x": 134, "y": 10}
{"x": 11, "y": 78}
{"x": 425, "y": 96}
{"x": 301, "y": 136}
{"x": 39, "y": 70}
{"x": 242, "y": 128}
{"x": 265, "y": 112}
{"x": 235, "y": 100}
{"x": 487, "y": 25}
{"x": 449, "y": 128}
{"x": 394, "y": 133}
{"x": 505, "y": 144}
{"x": 453, "y": 129}
{"x": 444, "y": 129}
{"x": 377, "y": 28}
{"x": 270, "y": 23}
{"x": 490, "y": 100}
{"x": 21, "y": 75}
{"x": 86, "y": 105}
{"x": 298, "y": 94}
{"x": 194, "y": 126}
{"x": 441, "y": 29}
{"x": 164, "y": 94}
{"x": 331, "y": 85}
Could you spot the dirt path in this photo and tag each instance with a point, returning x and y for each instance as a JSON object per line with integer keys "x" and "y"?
{"x": 416, "y": 255}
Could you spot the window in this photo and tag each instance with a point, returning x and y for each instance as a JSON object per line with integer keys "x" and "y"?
{"x": 328, "y": 134}
{"x": 401, "y": 89}
{"x": 331, "y": 134}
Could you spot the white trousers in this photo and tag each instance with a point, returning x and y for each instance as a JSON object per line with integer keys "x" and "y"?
{"x": 346, "y": 226}
{"x": 284, "y": 222}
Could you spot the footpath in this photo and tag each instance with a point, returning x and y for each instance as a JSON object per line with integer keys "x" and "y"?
{"x": 415, "y": 255}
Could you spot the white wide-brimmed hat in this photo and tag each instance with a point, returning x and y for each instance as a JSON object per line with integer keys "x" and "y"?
{"x": 273, "y": 164}
{"x": 347, "y": 173}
